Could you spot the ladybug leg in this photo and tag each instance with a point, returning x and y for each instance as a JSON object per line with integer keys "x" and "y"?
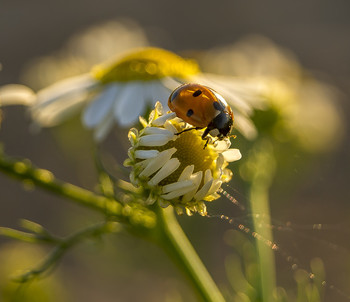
{"x": 206, "y": 142}
{"x": 205, "y": 137}
{"x": 188, "y": 129}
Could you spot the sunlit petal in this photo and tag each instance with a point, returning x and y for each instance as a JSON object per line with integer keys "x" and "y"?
{"x": 232, "y": 155}
{"x": 13, "y": 94}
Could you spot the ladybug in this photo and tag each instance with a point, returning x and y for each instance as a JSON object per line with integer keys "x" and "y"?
{"x": 202, "y": 107}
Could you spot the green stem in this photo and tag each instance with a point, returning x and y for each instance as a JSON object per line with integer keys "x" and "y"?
{"x": 262, "y": 174}
{"x": 44, "y": 179}
{"x": 167, "y": 233}
{"x": 261, "y": 217}
{"x": 174, "y": 240}
{"x": 62, "y": 246}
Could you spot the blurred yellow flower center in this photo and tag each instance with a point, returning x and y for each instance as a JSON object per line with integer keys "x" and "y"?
{"x": 145, "y": 65}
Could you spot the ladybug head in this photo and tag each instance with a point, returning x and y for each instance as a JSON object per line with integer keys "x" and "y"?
{"x": 220, "y": 126}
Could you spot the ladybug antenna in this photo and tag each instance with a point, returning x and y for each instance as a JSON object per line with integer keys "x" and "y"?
{"x": 232, "y": 199}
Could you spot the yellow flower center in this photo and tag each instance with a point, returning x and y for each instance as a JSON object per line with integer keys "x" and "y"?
{"x": 145, "y": 65}
{"x": 190, "y": 152}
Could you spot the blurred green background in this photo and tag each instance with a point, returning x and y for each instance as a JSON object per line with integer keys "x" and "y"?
{"x": 123, "y": 268}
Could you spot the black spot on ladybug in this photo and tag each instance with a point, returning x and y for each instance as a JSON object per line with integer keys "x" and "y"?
{"x": 189, "y": 112}
{"x": 197, "y": 93}
{"x": 217, "y": 106}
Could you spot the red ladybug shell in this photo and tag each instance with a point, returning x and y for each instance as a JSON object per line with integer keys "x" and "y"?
{"x": 202, "y": 107}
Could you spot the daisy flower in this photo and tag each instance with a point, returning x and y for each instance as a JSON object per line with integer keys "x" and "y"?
{"x": 175, "y": 169}
{"x": 119, "y": 91}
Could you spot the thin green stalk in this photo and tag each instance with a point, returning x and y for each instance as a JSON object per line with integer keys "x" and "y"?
{"x": 174, "y": 240}
{"x": 261, "y": 177}
{"x": 261, "y": 218}
{"x": 29, "y": 175}
{"x": 62, "y": 245}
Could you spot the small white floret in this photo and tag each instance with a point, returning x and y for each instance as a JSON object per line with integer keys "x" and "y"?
{"x": 186, "y": 173}
{"x": 169, "y": 167}
{"x": 196, "y": 178}
{"x": 203, "y": 191}
{"x": 177, "y": 186}
{"x": 144, "y": 154}
{"x": 156, "y": 163}
{"x": 215, "y": 186}
{"x": 232, "y": 155}
{"x": 177, "y": 193}
{"x": 154, "y": 140}
{"x": 161, "y": 120}
{"x": 156, "y": 130}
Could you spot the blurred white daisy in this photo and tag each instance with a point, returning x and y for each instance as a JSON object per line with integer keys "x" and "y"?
{"x": 174, "y": 169}
{"x": 119, "y": 92}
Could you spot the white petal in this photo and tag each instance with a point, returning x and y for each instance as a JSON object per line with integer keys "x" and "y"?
{"x": 150, "y": 94}
{"x": 154, "y": 140}
{"x": 66, "y": 89}
{"x": 161, "y": 120}
{"x": 157, "y": 130}
{"x": 177, "y": 193}
{"x": 215, "y": 186}
{"x": 61, "y": 100}
{"x": 160, "y": 93}
{"x": 144, "y": 154}
{"x": 186, "y": 173}
{"x": 170, "y": 127}
{"x": 101, "y": 105}
{"x": 156, "y": 163}
{"x": 196, "y": 178}
{"x": 59, "y": 111}
{"x": 232, "y": 155}
{"x": 207, "y": 176}
{"x": 226, "y": 89}
{"x": 220, "y": 160}
{"x": 102, "y": 130}
{"x": 14, "y": 94}
{"x": 177, "y": 186}
{"x": 131, "y": 104}
{"x": 169, "y": 167}
{"x": 170, "y": 83}
{"x": 245, "y": 126}
{"x": 203, "y": 190}
{"x": 222, "y": 145}
{"x": 144, "y": 163}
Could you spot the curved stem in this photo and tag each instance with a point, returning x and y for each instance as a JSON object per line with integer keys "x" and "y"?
{"x": 167, "y": 232}
{"x": 25, "y": 172}
{"x": 174, "y": 240}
